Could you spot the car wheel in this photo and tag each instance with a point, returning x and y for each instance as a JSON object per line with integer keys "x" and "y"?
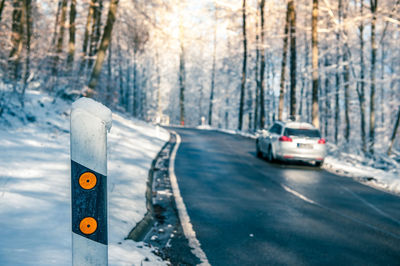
{"x": 319, "y": 163}
{"x": 258, "y": 151}
{"x": 270, "y": 156}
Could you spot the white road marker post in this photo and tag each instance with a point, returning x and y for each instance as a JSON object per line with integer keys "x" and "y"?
{"x": 90, "y": 122}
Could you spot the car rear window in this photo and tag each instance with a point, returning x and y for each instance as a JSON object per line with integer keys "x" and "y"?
{"x": 310, "y": 133}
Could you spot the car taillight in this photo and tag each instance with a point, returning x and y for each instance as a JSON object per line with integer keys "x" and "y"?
{"x": 321, "y": 141}
{"x": 285, "y": 138}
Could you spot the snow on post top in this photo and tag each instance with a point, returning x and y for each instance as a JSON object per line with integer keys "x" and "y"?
{"x": 96, "y": 109}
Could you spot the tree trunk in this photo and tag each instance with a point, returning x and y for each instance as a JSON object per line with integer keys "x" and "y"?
{"x": 1, "y": 8}
{"x": 56, "y": 24}
{"x": 292, "y": 16}
{"x": 96, "y": 32}
{"x": 256, "y": 72}
{"x": 374, "y": 5}
{"x": 28, "y": 23}
{"x": 135, "y": 86}
{"x": 105, "y": 41}
{"x": 89, "y": 21}
{"x": 182, "y": 73}
{"x": 60, "y": 39}
{"x": 16, "y": 40}
{"x": 210, "y": 110}
{"x": 159, "y": 99}
{"x": 72, "y": 30}
{"x": 315, "y": 76}
{"x": 327, "y": 97}
{"x": 346, "y": 85}
{"x": 283, "y": 67}
{"x": 361, "y": 84}
{"x": 243, "y": 81}
{"x": 262, "y": 67}
{"x": 109, "y": 95}
{"x": 396, "y": 126}
{"x": 337, "y": 110}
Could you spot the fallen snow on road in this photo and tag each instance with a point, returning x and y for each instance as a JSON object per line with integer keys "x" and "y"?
{"x": 35, "y": 218}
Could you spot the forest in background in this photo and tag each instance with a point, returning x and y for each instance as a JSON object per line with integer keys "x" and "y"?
{"x": 238, "y": 64}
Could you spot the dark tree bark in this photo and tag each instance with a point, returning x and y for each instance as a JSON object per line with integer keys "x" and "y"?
{"x": 56, "y": 24}
{"x": 210, "y": 109}
{"x": 182, "y": 74}
{"x": 96, "y": 32}
{"x": 373, "y": 6}
{"x": 28, "y": 23}
{"x": 105, "y": 41}
{"x": 16, "y": 40}
{"x": 392, "y": 139}
{"x": 262, "y": 67}
{"x": 337, "y": 75}
{"x": 346, "y": 85}
{"x": 293, "y": 56}
{"x": 60, "y": 39}
{"x": 109, "y": 95}
{"x": 283, "y": 66}
{"x": 315, "y": 76}
{"x": 88, "y": 26}
{"x": 256, "y": 72}
{"x": 243, "y": 81}
{"x": 361, "y": 84}
{"x": 72, "y": 31}
{"x": 2, "y": 8}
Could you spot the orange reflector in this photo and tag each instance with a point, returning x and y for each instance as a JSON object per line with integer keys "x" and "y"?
{"x": 88, "y": 225}
{"x": 87, "y": 180}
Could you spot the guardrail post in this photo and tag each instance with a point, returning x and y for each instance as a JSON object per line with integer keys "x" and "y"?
{"x": 90, "y": 122}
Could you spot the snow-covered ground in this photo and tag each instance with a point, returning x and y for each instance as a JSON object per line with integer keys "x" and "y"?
{"x": 35, "y": 215}
{"x": 382, "y": 173}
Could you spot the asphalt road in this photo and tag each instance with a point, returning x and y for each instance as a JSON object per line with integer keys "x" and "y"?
{"x": 246, "y": 211}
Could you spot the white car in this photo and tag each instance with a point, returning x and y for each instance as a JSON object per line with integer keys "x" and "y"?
{"x": 296, "y": 141}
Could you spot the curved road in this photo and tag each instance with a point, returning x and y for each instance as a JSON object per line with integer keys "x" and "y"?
{"x": 246, "y": 211}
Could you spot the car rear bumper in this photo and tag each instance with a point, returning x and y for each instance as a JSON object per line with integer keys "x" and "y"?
{"x": 290, "y": 151}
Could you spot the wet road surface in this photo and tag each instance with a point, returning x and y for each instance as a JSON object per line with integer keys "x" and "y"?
{"x": 246, "y": 211}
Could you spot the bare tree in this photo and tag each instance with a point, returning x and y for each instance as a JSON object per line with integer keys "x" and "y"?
{"x": 283, "y": 66}
{"x": 1, "y": 8}
{"x": 105, "y": 41}
{"x": 210, "y": 109}
{"x": 16, "y": 39}
{"x": 361, "y": 83}
{"x": 315, "y": 76}
{"x": 262, "y": 66}
{"x": 396, "y": 126}
{"x": 243, "y": 82}
{"x": 337, "y": 75}
{"x": 293, "y": 58}
{"x": 256, "y": 78}
{"x": 60, "y": 39}
{"x": 182, "y": 72}
{"x": 373, "y": 7}
{"x": 28, "y": 24}
{"x": 72, "y": 31}
{"x": 88, "y": 26}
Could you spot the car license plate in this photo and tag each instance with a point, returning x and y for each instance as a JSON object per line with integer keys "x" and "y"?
{"x": 305, "y": 146}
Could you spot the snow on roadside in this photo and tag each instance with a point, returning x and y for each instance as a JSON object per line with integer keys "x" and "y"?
{"x": 378, "y": 178}
{"x": 35, "y": 218}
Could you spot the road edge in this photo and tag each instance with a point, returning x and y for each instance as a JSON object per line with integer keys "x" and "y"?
{"x": 190, "y": 234}
{"x": 143, "y": 226}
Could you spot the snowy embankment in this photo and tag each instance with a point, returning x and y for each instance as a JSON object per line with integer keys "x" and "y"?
{"x": 384, "y": 175}
{"x": 35, "y": 215}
